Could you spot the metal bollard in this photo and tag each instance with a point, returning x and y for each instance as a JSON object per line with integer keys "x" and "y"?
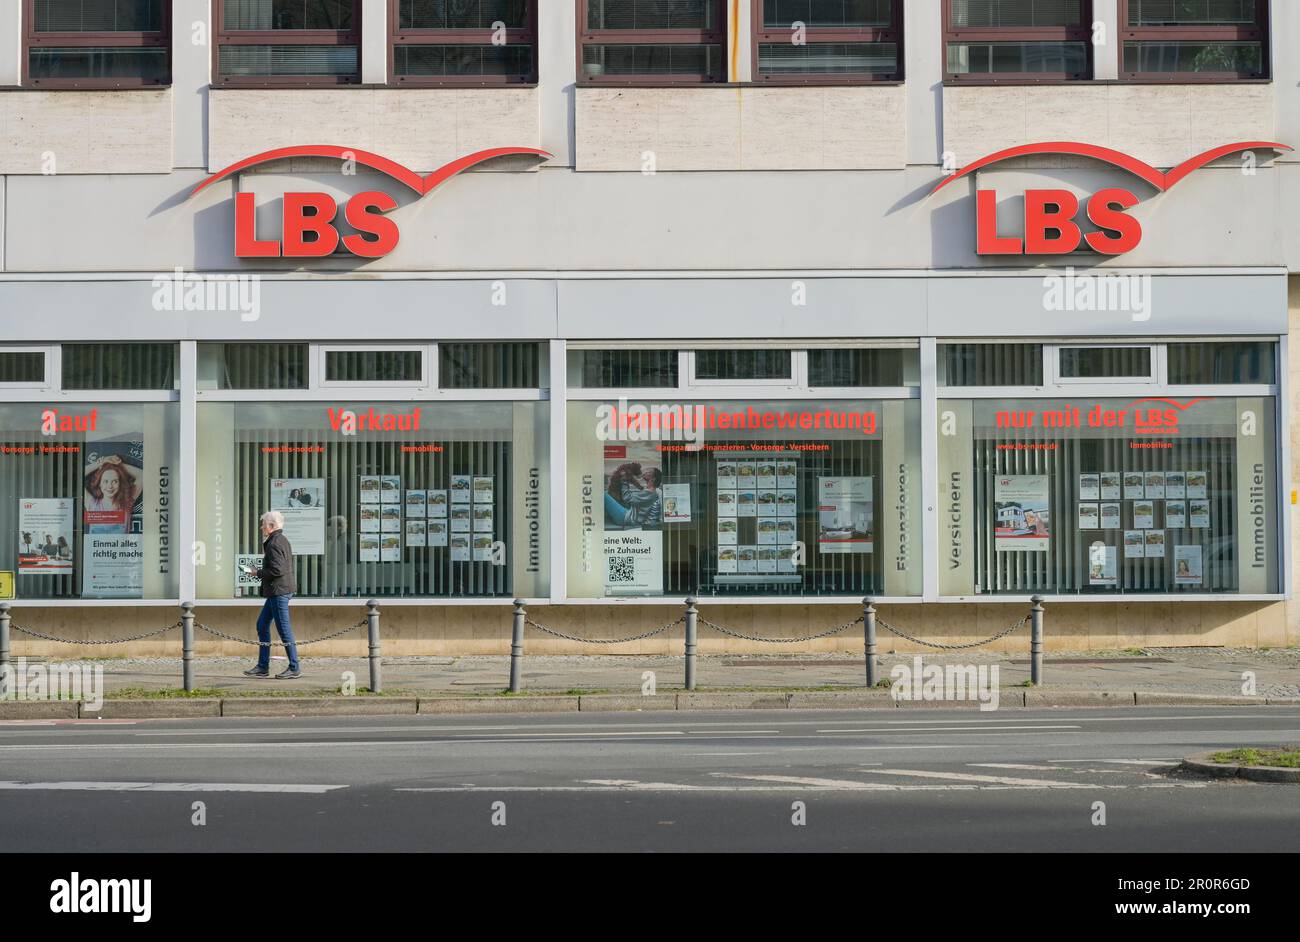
{"x": 372, "y": 616}
{"x": 187, "y": 646}
{"x": 869, "y": 638}
{"x": 517, "y": 645}
{"x": 4, "y": 632}
{"x": 1036, "y": 640}
{"x": 692, "y": 613}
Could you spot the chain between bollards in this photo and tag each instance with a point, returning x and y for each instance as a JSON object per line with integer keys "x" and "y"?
{"x": 187, "y": 646}
{"x": 1036, "y": 641}
{"x": 692, "y": 616}
{"x": 517, "y": 645}
{"x": 869, "y": 639}
{"x": 4, "y": 632}
{"x": 372, "y": 620}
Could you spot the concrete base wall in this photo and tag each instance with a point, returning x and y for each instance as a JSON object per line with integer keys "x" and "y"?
{"x": 464, "y": 629}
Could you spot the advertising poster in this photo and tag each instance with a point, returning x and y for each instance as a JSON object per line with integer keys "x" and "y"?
{"x": 460, "y": 488}
{"x": 45, "y": 536}
{"x": 787, "y": 503}
{"x": 390, "y": 489}
{"x": 244, "y": 580}
{"x": 482, "y": 548}
{"x": 1187, "y": 565}
{"x": 1175, "y": 485}
{"x": 1176, "y": 514}
{"x": 302, "y": 502}
{"x": 1198, "y": 484}
{"x": 460, "y": 548}
{"x": 1133, "y": 485}
{"x": 1090, "y": 487}
{"x": 727, "y": 559}
{"x": 726, "y": 475}
{"x": 112, "y": 519}
{"x": 785, "y": 531}
{"x": 368, "y": 546}
{"x": 390, "y": 548}
{"x": 1155, "y": 548}
{"x": 727, "y": 503}
{"x": 1155, "y": 485}
{"x": 767, "y": 532}
{"x": 766, "y": 501}
{"x": 1089, "y": 516}
{"x": 1199, "y": 511}
{"x": 436, "y": 533}
{"x": 747, "y": 560}
{"x": 483, "y": 490}
{"x": 369, "y": 488}
{"x": 1023, "y": 515}
{"x": 767, "y": 559}
{"x": 845, "y": 515}
{"x": 1144, "y": 514}
{"x": 1134, "y": 544}
{"x": 1102, "y": 568}
{"x": 416, "y": 533}
{"x": 1110, "y": 517}
{"x": 746, "y": 504}
{"x": 415, "y": 504}
{"x": 369, "y": 518}
{"x": 435, "y": 503}
{"x": 1111, "y": 485}
{"x": 113, "y": 566}
{"x": 483, "y": 519}
{"x": 634, "y": 495}
{"x": 677, "y": 503}
{"x": 634, "y": 563}
{"x": 785, "y": 559}
{"x": 746, "y": 475}
{"x": 727, "y": 531}
{"x": 390, "y": 518}
{"x": 460, "y": 517}
{"x": 787, "y": 474}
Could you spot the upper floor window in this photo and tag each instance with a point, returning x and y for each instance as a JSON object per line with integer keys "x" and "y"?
{"x": 1017, "y": 40}
{"x": 479, "y": 42}
{"x": 1200, "y": 40}
{"x": 651, "y": 41}
{"x": 844, "y": 41}
{"x": 97, "y": 43}
{"x": 287, "y": 42}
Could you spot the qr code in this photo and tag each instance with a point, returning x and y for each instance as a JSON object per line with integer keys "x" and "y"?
{"x": 621, "y": 569}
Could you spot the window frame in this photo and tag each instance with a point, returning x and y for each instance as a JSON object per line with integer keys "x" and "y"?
{"x": 134, "y": 39}
{"x": 47, "y": 380}
{"x": 397, "y": 36}
{"x": 319, "y": 366}
{"x": 650, "y": 37}
{"x": 274, "y": 37}
{"x": 1081, "y": 33}
{"x": 760, "y": 35}
{"x": 1154, "y": 376}
{"x": 1261, "y": 32}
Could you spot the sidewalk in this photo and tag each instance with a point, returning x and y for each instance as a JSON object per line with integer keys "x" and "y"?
{"x": 1216, "y": 672}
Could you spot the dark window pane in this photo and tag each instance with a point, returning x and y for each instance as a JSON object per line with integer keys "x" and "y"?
{"x": 1241, "y": 59}
{"x": 1014, "y": 14}
{"x": 22, "y": 367}
{"x": 463, "y": 60}
{"x": 743, "y": 364}
{"x": 856, "y": 58}
{"x": 827, "y": 14}
{"x": 991, "y": 58}
{"x": 863, "y": 367}
{"x": 462, "y": 14}
{"x": 1207, "y": 363}
{"x": 650, "y": 14}
{"x": 288, "y": 60}
{"x": 119, "y": 366}
{"x": 253, "y": 365}
{"x": 1191, "y": 12}
{"x": 489, "y": 366}
{"x": 627, "y": 369}
{"x": 146, "y": 63}
{"x": 289, "y": 14}
{"x": 373, "y": 366}
{"x": 990, "y": 364}
{"x": 98, "y": 16}
{"x": 641, "y": 59}
{"x": 1105, "y": 362}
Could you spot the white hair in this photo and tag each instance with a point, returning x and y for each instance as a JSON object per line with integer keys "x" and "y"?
{"x": 273, "y": 519}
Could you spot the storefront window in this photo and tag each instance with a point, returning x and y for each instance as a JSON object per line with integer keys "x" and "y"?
{"x": 1109, "y": 496}
{"x": 386, "y": 499}
{"x": 253, "y": 365}
{"x": 780, "y": 498}
{"x": 87, "y": 494}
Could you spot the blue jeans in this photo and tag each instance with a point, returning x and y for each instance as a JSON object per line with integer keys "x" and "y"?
{"x": 277, "y": 607}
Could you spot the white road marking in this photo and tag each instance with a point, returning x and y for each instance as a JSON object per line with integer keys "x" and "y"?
{"x": 836, "y": 783}
{"x": 1125, "y": 761}
{"x": 941, "y": 729}
{"x": 985, "y": 779}
{"x": 166, "y": 787}
{"x": 1012, "y": 765}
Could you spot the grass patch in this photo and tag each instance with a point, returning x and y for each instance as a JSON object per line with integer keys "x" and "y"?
{"x": 217, "y": 693}
{"x": 1135, "y": 652}
{"x": 1288, "y": 757}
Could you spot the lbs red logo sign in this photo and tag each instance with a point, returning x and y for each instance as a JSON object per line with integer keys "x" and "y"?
{"x": 308, "y": 219}
{"x": 1052, "y": 217}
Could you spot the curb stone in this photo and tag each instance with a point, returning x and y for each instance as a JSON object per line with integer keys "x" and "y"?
{"x": 614, "y": 702}
{"x": 39, "y": 709}
{"x": 317, "y": 706}
{"x": 1080, "y": 698}
{"x": 152, "y": 709}
{"x": 1200, "y": 764}
{"x": 733, "y": 701}
{"x": 1193, "y": 699}
{"x": 445, "y": 705}
{"x": 849, "y": 700}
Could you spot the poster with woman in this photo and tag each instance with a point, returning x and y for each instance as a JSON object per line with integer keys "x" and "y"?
{"x": 112, "y": 519}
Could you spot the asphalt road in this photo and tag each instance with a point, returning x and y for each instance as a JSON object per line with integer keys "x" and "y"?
{"x": 930, "y": 779}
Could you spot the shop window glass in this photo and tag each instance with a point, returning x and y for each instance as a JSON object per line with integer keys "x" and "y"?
{"x": 22, "y": 367}
{"x": 625, "y": 369}
{"x": 727, "y": 498}
{"x": 1105, "y": 362}
{"x": 1219, "y": 363}
{"x": 98, "y": 43}
{"x": 990, "y": 364}
{"x": 1110, "y": 496}
{"x": 119, "y": 366}
{"x": 253, "y": 365}
{"x": 890, "y": 367}
{"x": 88, "y": 491}
{"x": 374, "y": 366}
{"x": 489, "y": 366}
{"x": 382, "y": 499}
{"x": 743, "y": 364}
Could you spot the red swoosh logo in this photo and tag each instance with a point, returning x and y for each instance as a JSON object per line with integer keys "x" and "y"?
{"x": 400, "y": 173}
{"x": 1161, "y": 181}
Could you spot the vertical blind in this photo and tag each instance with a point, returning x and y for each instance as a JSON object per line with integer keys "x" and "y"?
{"x": 489, "y": 366}
{"x": 22, "y": 367}
{"x": 628, "y": 369}
{"x": 990, "y": 364}
{"x": 119, "y": 366}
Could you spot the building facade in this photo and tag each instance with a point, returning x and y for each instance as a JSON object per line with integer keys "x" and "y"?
{"x": 601, "y": 304}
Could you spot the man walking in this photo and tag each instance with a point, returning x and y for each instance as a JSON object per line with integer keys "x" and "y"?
{"x": 278, "y": 587}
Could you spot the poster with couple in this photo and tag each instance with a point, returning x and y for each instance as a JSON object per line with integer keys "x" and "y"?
{"x": 634, "y": 519}
{"x": 112, "y": 519}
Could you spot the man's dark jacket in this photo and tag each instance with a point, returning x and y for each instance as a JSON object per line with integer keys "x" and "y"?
{"x": 277, "y": 566}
